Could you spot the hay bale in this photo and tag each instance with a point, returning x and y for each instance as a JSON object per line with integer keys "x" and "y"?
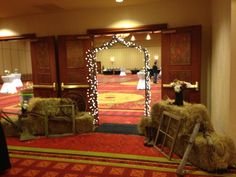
{"x": 10, "y": 130}
{"x": 211, "y": 151}
{"x": 190, "y": 113}
{"x": 144, "y": 122}
{"x": 84, "y": 122}
{"x": 34, "y": 125}
{"x": 50, "y": 106}
{"x": 59, "y": 127}
{"x": 59, "y": 118}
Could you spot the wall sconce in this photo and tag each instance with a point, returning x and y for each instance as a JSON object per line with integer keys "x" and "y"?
{"x": 132, "y": 38}
{"x": 156, "y": 57}
{"x": 148, "y": 37}
{"x": 112, "y": 59}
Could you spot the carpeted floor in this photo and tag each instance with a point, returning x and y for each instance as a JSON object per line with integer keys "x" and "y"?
{"x": 72, "y": 166}
{"x": 95, "y": 154}
{"x": 123, "y": 94}
{"x": 52, "y": 163}
{"x": 96, "y": 142}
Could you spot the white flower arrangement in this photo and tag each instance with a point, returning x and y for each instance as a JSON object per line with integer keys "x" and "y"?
{"x": 180, "y": 85}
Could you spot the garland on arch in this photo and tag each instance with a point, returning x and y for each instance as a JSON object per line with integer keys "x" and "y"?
{"x": 92, "y": 93}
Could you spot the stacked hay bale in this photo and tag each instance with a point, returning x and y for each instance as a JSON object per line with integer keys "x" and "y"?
{"x": 210, "y": 151}
{"x": 54, "y": 113}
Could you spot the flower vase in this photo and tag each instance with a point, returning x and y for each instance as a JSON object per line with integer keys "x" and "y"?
{"x": 179, "y": 101}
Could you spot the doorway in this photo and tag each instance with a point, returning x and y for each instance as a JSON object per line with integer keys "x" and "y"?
{"x": 120, "y": 97}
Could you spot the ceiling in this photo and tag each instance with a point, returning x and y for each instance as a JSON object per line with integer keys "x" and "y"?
{"x": 16, "y": 8}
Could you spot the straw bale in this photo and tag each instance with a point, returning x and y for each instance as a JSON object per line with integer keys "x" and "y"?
{"x": 211, "y": 151}
{"x": 190, "y": 113}
{"x": 9, "y": 130}
{"x": 84, "y": 122}
{"x": 50, "y": 106}
{"x": 144, "y": 122}
{"x": 34, "y": 125}
{"x": 59, "y": 118}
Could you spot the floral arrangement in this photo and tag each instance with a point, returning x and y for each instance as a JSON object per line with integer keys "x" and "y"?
{"x": 179, "y": 86}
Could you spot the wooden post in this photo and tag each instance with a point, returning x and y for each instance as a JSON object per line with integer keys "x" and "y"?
{"x": 180, "y": 171}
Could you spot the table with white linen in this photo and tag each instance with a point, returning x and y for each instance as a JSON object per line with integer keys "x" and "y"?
{"x": 17, "y": 80}
{"x": 8, "y": 86}
{"x": 122, "y": 72}
{"x": 141, "y": 81}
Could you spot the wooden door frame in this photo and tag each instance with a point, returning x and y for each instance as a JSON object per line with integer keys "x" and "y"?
{"x": 113, "y": 31}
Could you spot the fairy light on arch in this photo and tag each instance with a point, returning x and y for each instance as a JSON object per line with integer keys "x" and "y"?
{"x": 92, "y": 92}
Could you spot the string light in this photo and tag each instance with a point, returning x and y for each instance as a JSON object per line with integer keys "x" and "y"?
{"x": 92, "y": 93}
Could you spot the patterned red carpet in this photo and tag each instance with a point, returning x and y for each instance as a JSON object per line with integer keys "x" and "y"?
{"x": 71, "y": 166}
{"x": 119, "y": 99}
{"x": 92, "y": 155}
{"x": 122, "y": 92}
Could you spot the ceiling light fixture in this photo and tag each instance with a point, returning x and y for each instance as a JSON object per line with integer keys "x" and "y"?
{"x": 132, "y": 38}
{"x": 148, "y": 37}
{"x": 119, "y": 1}
{"x": 122, "y": 35}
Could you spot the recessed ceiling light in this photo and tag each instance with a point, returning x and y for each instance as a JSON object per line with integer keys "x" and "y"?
{"x": 119, "y": 1}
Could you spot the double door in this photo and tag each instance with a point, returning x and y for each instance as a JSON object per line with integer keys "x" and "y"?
{"x": 59, "y": 68}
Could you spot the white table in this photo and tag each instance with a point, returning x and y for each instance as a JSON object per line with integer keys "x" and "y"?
{"x": 17, "y": 80}
{"x": 8, "y": 86}
{"x": 122, "y": 72}
{"x": 141, "y": 81}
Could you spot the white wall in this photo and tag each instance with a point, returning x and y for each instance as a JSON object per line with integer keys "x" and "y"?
{"x": 232, "y": 117}
{"x": 128, "y": 58}
{"x": 223, "y": 64}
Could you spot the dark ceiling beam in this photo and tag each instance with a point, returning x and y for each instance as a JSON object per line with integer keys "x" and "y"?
{"x": 155, "y": 27}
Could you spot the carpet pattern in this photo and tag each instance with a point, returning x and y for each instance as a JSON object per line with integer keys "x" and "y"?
{"x": 123, "y": 93}
{"x": 39, "y": 164}
{"x": 93, "y": 155}
{"x": 96, "y": 142}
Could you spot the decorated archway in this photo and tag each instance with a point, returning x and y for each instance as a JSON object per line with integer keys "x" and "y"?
{"x": 92, "y": 93}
